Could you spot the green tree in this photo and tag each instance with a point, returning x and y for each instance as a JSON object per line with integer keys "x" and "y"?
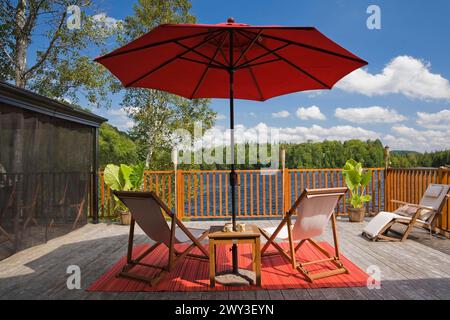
{"x": 58, "y": 66}
{"x": 116, "y": 147}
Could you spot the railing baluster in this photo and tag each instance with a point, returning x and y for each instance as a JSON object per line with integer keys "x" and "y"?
{"x": 208, "y": 199}
{"x": 202, "y": 204}
{"x": 252, "y": 213}
{"x": 169, "y": 189}
{"x": 313, "y": 173}
{"x": 196, "y": 187}
{"x": 245, "y": 194}
{"x": 264, "y": 194}
{"x": 319, "y": 178}
{"x": 226, "y": 194}
{"x": 214, "y": 210}
{"x": 269, "y": 177}
{"x": 258, "y": 188}
{"x": 189, "y": 194}
{"x": 379, "y": 190}
{"x": 220, "y": 194}
{"x": 276, "y": 192}
{"x": 295, "y": 185}
{"x": 238, "y": 204}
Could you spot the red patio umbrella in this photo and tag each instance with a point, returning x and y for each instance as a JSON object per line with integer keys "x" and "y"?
{"x": 231, "y": 60}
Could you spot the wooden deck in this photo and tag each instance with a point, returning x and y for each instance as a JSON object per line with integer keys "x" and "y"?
{"x": 416, "y": 269}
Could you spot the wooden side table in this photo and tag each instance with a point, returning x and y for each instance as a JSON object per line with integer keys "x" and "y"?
{"x": 217, "y": 237}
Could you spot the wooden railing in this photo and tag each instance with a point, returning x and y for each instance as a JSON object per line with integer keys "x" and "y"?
{"x": 409, "y": 185}
{"x": 299, "y": 179}
{"x": 260, "y": 194}
{"x": 161, "y": 182}
{"x": 205, "y": 194}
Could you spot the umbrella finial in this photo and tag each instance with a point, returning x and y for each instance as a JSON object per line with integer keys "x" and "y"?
{"x": 230, "y": 20}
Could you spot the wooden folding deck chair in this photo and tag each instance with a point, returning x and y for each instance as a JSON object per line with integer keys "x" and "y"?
{"x": 314, "y": 208}
{"x": 410, "y": 215}
{"x": 78, "y": 206}
{"x": 148, "y": 210}
{"x": 29, "y": 209}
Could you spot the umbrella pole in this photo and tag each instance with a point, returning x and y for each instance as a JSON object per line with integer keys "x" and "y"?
{"x": 233, "y": 177}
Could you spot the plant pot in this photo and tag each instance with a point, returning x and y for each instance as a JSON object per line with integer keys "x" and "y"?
{"x": 125, "y": 217}
{"x": 356, "y": 214}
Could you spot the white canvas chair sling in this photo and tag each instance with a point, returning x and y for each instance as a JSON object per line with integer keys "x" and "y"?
{"x": 147, "y": 210}
{"x": 425, "y": 215}
{"x": 314, "y": 208}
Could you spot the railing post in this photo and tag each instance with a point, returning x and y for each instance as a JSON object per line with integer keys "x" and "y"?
{"x": 385, "y": 191}
{"x": 440, "y": 176}
{"x": 180, "y": 194}
{"x": 284, "y": 178}
{"x": 287, "y": 189}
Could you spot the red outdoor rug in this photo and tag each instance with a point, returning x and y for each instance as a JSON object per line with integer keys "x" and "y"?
{"x": 193, "y": 274}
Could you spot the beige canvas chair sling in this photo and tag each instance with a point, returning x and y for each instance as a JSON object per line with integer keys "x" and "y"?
{"x": 410, "y": 215}
{"x": 147, "y": 210}
{"x": 314, "y": 208}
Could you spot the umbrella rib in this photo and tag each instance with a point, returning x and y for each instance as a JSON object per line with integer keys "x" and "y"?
{"x": 249, "y": 65}
{"x": 293, "y": 65}
{"x": 114, "y": 54}
{"x": 199, "y": 83}
{"x": 250, "y": 70}
{"x": 255, "y": 81}
{"x": 167, "y": 62}
{"x": 201, "y": 62}
{"x": 243, "y": 53}
{"x": 248, "y": 62}
{"x": 224, "y": 57}
{"x": 307, "y": 46}
{"x": 219, "y": 64}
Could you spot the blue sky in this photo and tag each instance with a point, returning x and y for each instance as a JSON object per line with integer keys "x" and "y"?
{"x": 401, "y": 97}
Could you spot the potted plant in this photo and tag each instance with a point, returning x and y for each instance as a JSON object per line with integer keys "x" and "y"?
{"x": 123, "y": 178}
{"x": 356, "y": 180}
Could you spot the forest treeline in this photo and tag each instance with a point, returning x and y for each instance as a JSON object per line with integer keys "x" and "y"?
{"x": 119, "y": 147}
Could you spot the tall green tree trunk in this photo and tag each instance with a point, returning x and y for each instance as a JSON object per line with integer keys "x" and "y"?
{"x": 22, "y": 41}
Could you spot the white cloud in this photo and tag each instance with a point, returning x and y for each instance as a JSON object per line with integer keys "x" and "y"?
{"x": 262, "y": 133}
{"x": 281, "y": 114}
{"x": 119, "y": 118}
{"x": 407, "y": 138}
{"x": 373, "y": 114}
{"x": 403, "y": 75}
{"x": 438, "y": 120}
{"x": 252, "y": 114}
{"x": 221, "y": 116}
{"x": 401, "y": 137}
{"x": 311, "y": 113}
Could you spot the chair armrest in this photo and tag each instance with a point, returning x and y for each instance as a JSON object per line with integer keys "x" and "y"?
{"x": 418, "y": 206}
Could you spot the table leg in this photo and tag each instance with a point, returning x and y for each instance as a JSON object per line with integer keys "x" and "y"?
{"x": 254, "y": 255}
{"x": 212, "y": 264}
{"x": 258, "y": 261}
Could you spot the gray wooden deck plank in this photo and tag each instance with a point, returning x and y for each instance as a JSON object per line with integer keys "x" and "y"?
{"x": 411, "y": 270}
{"x": 262, "y": 295}
{"x": 405, "y": 264}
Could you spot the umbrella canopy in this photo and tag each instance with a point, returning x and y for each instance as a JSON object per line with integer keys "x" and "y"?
{"x": 231, "y": 60}
{"x": 194, "y": 60}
